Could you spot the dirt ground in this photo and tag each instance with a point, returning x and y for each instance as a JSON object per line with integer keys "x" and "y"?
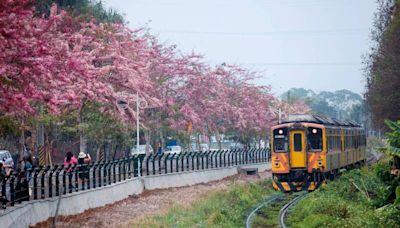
{"x": 150, "y": 202}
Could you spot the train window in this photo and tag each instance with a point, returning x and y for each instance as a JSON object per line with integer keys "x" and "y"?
{"x": 356, "y": 141}
{"x": 298, "y": 142}
{"x": 280, "y": 140}
{"x": 314, "y": 137}
{"x": 334, "y": 142}
{"x": 338, "y": 142}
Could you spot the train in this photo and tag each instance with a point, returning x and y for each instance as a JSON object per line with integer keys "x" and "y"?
{"x": 307, "y": 150}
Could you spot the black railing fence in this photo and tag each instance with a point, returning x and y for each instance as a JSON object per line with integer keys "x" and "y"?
{"x": 53, "y": 181}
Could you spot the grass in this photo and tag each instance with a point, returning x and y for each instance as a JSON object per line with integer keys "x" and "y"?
{"x": 269, "y": 215}
{"x": 359, "y": 198}
{"x": 220, "y": 209}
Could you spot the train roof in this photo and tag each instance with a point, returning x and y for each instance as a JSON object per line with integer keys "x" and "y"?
{"x": 319, "y": 119}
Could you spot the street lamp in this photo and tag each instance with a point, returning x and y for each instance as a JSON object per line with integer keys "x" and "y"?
{"x": 279, "y": 114}
{"x": 140, "y": 103}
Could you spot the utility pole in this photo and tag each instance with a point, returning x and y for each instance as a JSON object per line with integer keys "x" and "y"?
{"x": 137, "y": 130}
{"x": 143, "y": 106}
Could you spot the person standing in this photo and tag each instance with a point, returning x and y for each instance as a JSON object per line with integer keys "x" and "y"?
{"x": 4, "y": 174}
{"x": 83, "y": 161}
{"x": 5, "y": 171}
{"x": 28, "y": 165}
{"x": 69, "y": 162}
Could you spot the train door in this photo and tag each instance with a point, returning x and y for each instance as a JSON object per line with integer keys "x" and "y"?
{"x": 297, "y": 149}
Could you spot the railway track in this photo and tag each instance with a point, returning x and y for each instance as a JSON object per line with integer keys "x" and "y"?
{"x": 284, "y": 210}
{"x": 267, "y": 201}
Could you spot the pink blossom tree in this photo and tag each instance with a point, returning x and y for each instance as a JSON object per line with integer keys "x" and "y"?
{"x": 58, "y": 63}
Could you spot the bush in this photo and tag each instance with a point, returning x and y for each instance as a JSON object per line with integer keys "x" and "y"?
{"x": 359, "y": 198}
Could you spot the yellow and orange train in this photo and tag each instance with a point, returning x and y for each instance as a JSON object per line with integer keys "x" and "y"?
{"x": 308, "y": 149}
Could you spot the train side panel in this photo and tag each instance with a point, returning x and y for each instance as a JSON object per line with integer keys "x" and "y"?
{"x": 342, "y": 147}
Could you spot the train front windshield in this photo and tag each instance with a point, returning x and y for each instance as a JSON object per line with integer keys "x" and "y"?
{"x": 280, "y": 140}
{"x": 314, "y": 138}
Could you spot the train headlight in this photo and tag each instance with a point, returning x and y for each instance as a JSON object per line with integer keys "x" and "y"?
{"x": 319, "y": 163}
{"x": 314, "y": 131}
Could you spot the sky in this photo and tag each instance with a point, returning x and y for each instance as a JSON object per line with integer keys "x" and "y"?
{"x": 314, "y": 44}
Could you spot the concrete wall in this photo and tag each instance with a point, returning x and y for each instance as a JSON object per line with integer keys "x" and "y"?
{"x": 196, "y": 177}
{"x": 32, "y": 212}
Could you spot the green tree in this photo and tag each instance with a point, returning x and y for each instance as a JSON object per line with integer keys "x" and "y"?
{"x": 103, "y": 129}
{"x": 383, "y": 65}
{"x": 394, "y": 150}
{"x": 83, "y": 9}
{"x": 394, "y": 140}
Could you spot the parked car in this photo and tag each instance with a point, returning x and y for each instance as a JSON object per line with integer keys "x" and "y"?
{"x": 236, "y": 146}
{"x": 204, "y": 147}
{"x": 141, "y": 150}
{"x": 173, "y": 149}
{"x": 6, "y": 159}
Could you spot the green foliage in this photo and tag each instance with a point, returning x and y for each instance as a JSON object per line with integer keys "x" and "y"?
{"x": 8, "y": 127}
{"x": 359, "y": 198}
{"x": 375, "y": 142}
{"x": 96, "y": 125}
{"x": 100, "y": 127}
{"x": 382, "y": 171}
{"x": 394, "y": 140}
{"x": 382, "y": 70}
{"x": 220, "y": 209}
{"x": 394, "y": 136}
{"x": 84, "y": 9}
{"x": 397, "y": 201}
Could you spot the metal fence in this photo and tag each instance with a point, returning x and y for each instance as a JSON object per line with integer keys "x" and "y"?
{"x": 52, "y": 181}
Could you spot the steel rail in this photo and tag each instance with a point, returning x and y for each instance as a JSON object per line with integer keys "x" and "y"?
{"x": 268, "y": 200}
{"x": 286, "y": 207}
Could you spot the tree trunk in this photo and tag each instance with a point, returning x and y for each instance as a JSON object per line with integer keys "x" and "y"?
{"x": 189, "y": 146}
{"x": 147, "y": 136}
{"x": 22, "y": 141}
{"x": 162, "y": 139}
{"x": 198, "y": 141}
{"x": 108, "y": 150}
{"x": 82, "y": 142}
{"x": 40, "y": 144}
{"x": 209, "y": 141}
{"x": 98, "y": 153}
{"x": 115, "y": 151}
{"x": 82, "y": 137}
{"x": 218, "y": 136}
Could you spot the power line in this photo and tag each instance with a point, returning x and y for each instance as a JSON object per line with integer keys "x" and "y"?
{"x": 303, "y": 64}
{"x": 268, "y": 33}
{"x": 272, "y": 4}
